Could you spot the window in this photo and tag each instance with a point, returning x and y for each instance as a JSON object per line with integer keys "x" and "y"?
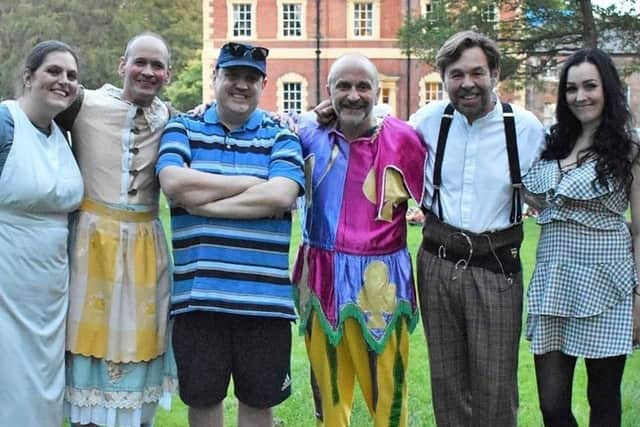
{"x": 363, "y": 19}
{"x": 385, "y": 95}
{"x": 432, "y": 10}
{"x": 292, "y": 97}
{"x": 490, "y": 13}
{"x": 388, "y": 90}
{"x": 242, "y": 20}
{"x": 291, "y": 93}
{"x": 292, "y": 19}
{"x": 432, "y": 91}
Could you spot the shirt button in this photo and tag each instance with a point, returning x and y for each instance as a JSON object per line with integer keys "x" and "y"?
{"x": 133, "y": 192}
{"x": 228, "y": 147}
{"x": 134, "y": 172}
{"x": 134, "y": 150}
{"x": 135, "y": 131}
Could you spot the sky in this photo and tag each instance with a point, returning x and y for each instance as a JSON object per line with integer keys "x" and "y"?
{"x": 610, "y": 2}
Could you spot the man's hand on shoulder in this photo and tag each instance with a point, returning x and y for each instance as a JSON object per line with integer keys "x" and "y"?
{"x": 325, "y": 113}
{"x": 200, "y": 109}
{"x": 285, "y": 120}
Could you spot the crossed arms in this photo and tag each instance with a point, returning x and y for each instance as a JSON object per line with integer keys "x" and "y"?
{"x": 227, "y": 196}
{"x": 195, "y": 177}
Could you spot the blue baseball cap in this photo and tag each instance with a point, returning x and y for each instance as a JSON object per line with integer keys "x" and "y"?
{"x": 235, "y": 54}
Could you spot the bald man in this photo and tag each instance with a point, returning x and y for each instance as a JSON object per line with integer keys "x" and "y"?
{"x": 355, "y": 290}
{"x": 119, "y": 283}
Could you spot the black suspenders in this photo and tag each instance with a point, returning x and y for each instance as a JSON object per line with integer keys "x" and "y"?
{"x": 512, "y": 152}
{"x": 514, "y": 163}
{"x": 445, "y": 124}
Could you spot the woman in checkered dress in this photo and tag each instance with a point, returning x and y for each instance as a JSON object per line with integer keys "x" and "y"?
{"x": 580, "y": 295}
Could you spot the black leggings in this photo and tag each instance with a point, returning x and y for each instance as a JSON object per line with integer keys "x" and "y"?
{"x": 554, "y": 374}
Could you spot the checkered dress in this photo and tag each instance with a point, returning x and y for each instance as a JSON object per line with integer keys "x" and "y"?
{"x": 580, "y": 294}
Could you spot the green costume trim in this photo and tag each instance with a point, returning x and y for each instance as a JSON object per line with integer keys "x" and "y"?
{"x": 399, "y": 377}
{"x": 334, "y": 335}
{"x": 332, "y": 358}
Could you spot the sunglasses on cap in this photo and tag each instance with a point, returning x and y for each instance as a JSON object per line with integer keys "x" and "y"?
{"x": 238, "y": 50}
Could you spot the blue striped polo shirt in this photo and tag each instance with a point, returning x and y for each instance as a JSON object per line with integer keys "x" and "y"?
{"x": 232, "y": 266}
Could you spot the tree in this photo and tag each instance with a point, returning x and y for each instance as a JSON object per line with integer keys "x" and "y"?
{"x": 186, "y": 92}
{"x": 531, "y": 32}
{"x": 98, "y": 29}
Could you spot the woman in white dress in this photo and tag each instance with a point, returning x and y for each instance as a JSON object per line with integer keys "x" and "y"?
{"x": 40, "y": 184}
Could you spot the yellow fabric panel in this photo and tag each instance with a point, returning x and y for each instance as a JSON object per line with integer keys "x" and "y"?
{"x": 369, "y": 187}
{"x": 102, "y": 264}
{"x": 353, "y": 362}
{"x": 145, "y": 279}
{"x": 378, "y": 296}
{"x": 395, "y": 192}
{"x": 119, "y": 302}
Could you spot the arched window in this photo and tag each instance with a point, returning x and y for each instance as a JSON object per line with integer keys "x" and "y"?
{"x": 292, "y": 93}
{"x": 431, "y": 89}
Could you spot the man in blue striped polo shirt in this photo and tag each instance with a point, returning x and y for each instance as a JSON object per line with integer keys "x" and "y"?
{"x": 232, "y": 176}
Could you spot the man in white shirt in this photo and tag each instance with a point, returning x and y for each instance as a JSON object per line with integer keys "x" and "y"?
{"x": 469, "y": 271}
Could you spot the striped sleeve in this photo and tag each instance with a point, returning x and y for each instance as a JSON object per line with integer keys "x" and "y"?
{"x": 174, "y": 145}
{"x": 286, "y": 158}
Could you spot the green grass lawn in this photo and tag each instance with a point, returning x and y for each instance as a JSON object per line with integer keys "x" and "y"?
{"x": 297, "y": 411}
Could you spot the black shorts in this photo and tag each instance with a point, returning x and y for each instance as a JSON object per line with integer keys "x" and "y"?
{"x": 210, "y": 347}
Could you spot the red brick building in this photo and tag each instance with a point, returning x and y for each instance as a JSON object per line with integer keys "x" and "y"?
{"x": 304, "y": 37}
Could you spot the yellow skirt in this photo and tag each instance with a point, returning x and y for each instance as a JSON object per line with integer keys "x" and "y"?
{"x": 119, "y": 285}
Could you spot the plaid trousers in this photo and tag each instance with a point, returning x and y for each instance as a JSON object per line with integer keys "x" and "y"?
{"x": 472, "y": 321}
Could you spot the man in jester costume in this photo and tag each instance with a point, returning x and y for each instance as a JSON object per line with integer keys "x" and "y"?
{"x": 355, "y": 289}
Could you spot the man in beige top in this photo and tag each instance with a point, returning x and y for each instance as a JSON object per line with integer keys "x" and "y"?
{"x": 119, "y": 285}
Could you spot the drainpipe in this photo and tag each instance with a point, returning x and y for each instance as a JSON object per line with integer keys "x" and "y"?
{"x": 318, "y": 51}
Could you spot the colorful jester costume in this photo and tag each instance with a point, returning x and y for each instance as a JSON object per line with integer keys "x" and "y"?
{"x": 355, "y": 289}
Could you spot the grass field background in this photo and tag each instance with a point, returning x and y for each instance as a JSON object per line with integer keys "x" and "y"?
{"x": 297, "y": 411}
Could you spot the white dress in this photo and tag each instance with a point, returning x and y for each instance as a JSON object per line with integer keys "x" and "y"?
{"x": 39, "y": 185}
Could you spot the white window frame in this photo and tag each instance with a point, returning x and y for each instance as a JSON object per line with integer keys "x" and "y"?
{"x": 290, "y": 78}
{"x": 375, "y": 20}
{"x": 303, "y": 19}
{"x": 491, "y": 13}
{"x": 389, "y": 84}
{"x": 231, "y": 19}
{"x": 428, "y": 80}
{"x": 433, "y": 91}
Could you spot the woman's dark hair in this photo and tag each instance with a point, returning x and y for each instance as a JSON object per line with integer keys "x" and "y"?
{"x": 613, "y": 142}
{"x": 37, "y": 56}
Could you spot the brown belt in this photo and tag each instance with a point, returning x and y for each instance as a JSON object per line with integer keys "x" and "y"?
{"x": 497, "y": 251}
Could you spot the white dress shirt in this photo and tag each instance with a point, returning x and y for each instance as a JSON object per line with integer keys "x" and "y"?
{"x": 476, "y": 190}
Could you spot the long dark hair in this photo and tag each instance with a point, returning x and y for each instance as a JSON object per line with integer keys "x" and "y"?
{"x": 37, "y": 56}
{"x": 613, "y": 142}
